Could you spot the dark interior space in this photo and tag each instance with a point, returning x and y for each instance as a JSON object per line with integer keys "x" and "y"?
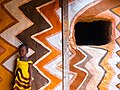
{"x": 93, "y": 33}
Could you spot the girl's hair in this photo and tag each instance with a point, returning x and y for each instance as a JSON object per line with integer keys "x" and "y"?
{"x": 23, "y": 45}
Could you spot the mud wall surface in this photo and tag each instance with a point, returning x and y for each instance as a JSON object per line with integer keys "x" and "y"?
{"x": 39, "y": 24}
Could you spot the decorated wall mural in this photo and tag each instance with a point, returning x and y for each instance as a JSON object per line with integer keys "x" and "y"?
{"x": 36, "y": 23}
{"x": 92, "y": 66}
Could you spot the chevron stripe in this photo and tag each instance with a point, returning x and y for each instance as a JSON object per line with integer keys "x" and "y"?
{"x": 6, "y": 49}
{"x": 115, "y": 10}
{"x": 38, "y": 24}
{"x": 118, "y": 52}
{"x": 79, "y": 82}
{"x": 6, "y": 20}
{"x": 118, "y": 65}
{"x": 118, "y": 39}
{"x": 10, "y": 33}
{"x": 93, "y": 66}
{"x": 80, "y": 76}
{"x": 5, "y": 74}
{"x": 55, "y": 27}
{"x": 52, "y": 66}
{"x": 118, "y": 85}
{"x": 5, "y": 79}
{"x": 82, "y": 65}
{"x": 84, "y": 13}
{"x": 9, "y": 50}
{"x": 2, "y": 50}
{"x": 109, "y": 72}
{"x": 39, "y": 79}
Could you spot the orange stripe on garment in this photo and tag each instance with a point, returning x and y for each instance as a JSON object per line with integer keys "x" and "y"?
{"x": 54, "y": 20}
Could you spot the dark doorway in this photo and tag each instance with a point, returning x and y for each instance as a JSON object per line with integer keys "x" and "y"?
{"x": 93, "y": 33}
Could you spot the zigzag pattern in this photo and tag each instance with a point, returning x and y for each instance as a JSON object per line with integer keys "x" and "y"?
{"x": 106, "y": 78}
{"x": 6, "y": 19}
{"x": 41, "y": 26}
{"x": 89, "y": 76}
{"x": 93, "y": 66}
{"x": 29, "y": 9}
{"x": 10, "y": 33}
{"x": 118, "y": 85}
{"x": 6, "y": 49}
{"x": 118, "y": 28}
{"x": 5, "y": 75}
{"x": 116, "y": 10}
{"x": 78, "y": 70}
{"x": 54, "y": 67}
{"x": 80, "y": 74}
{"x": 55, "y": 27}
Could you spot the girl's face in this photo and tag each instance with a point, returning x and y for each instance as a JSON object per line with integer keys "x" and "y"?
{"x": 23, "y": 51}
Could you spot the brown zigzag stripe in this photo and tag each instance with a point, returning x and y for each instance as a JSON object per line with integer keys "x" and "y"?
{"x": 40, "y": 24}
{"x": 118, "y": 85}
{"x": 89, "y": 57}
{"x": 118, "y": 65}
{"x": 93, "y": 11}
{"x": 7, "y": 20}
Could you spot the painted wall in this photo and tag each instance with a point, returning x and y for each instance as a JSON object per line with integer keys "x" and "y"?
{"x": 38, "y": 23}
{"x": 95, "y": 67}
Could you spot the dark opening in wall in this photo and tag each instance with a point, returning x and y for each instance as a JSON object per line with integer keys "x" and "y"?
{"x": 93, "y": 33}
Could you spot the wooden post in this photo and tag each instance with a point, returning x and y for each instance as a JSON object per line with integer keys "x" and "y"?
{"x": 65, "y": 43}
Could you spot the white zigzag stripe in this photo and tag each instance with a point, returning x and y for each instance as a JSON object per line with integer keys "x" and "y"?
{"x": 115, "y": 58}
{"x": 113, "y": 61}
{"x": 33, "y": 37}
{"x": 10, "y": 34}
{"x": 93, "y": 66}
{"x": 52, "y": 66}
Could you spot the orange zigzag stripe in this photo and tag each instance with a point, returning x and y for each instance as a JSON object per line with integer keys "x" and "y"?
{"x": 52, "y": 17}
{"x": 109, "y": 72}
{"x": 80, "y": 74}
{"x": 6, "y": 19}
{"x": 5, "y": 75}
{"x": 116, "y": 11}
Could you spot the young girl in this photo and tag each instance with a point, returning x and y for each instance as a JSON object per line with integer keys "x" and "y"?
{"x": 23, "y": 76}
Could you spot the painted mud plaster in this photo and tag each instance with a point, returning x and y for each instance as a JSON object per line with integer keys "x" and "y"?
{"x": 106, "y": 71}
